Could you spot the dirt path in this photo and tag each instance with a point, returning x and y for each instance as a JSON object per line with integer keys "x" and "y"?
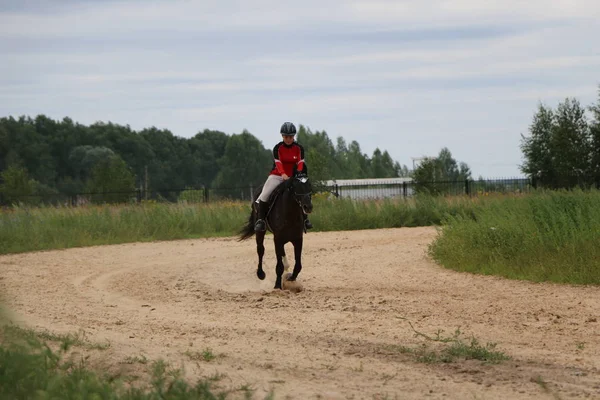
{"x": 338, "y": 339}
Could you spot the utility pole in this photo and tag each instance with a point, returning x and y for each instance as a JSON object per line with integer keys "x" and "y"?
{"x": 146, "y": 182}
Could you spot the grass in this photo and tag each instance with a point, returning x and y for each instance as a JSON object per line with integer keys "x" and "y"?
{"x": 452, "y": 348}
{"x": 136, "y": 360}
{"x": 347, "y": 214}
{"x": 66, "y": 340}
{"x": 31, "y": 229}
{"x": 30, "y": 369}
{"x": 25, "y": 229}
{"x": 205, "y": 355}
{"x": 546, "y": 236}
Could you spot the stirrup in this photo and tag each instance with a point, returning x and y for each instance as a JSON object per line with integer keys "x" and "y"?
{"x": 260, "y": 226}
{"x": 308, "y": 224}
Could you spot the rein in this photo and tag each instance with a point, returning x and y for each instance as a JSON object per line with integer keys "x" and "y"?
{"x": 299, "y": 197}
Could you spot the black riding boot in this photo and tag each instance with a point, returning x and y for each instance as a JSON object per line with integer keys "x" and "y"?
{"x": 307, "y": 223}
{"x": 260, "y": 225}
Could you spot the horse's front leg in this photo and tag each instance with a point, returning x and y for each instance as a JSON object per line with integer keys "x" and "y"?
{"x": 286, "y": 264}
{"x": 279, "y": 252}
{"x": 298, "y": 256}
{"x": 260, "y": 249}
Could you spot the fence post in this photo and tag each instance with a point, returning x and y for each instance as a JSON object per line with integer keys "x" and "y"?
{"x": 404, "y": 189}
{"x": 467, "y": 189}
{"x": 205, "y": 194}
{"x": 139, "y": 195}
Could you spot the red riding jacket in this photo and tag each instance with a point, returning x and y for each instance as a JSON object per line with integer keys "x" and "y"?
{"x": 285, "y": 157}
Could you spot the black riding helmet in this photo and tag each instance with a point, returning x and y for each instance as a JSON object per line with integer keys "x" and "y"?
{"x": 288, "y": 129}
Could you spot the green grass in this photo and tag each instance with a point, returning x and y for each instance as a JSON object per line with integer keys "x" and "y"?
{"x": 451, "y": 349}
{"x": 31, "y": 229}
{"x": 30, "y": 369}
{"x": 25, "y": 229}
{"x": 66, "y": 340}
{"x": 546, "y": 236}
{"x": 347, "y": 214}
{"x": 205, "y": 355}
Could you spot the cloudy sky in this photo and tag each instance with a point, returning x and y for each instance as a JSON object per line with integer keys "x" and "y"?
{"x": 407, "y": 76}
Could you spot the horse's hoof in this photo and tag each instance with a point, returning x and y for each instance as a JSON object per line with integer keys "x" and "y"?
{"x": 261, "y": 274}
{"x": 288, "y": 277}
{"x": 278, "y": 287}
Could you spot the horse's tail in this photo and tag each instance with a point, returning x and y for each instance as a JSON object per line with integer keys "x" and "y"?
{"x": 248, "y": 230}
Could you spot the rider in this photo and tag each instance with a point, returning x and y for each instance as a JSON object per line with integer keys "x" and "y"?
{"x": 286, "y": 155}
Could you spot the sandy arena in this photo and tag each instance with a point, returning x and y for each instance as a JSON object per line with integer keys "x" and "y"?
{"x": 338, "y": 339}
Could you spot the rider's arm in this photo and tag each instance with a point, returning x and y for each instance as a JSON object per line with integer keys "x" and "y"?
{"x": 300, "y": 163}
{"x": 278, "y": 163}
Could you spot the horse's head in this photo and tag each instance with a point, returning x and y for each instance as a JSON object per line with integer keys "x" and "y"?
{"x": 301, "y": 188}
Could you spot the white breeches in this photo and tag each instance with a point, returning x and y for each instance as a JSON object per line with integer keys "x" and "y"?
{"x": 272, "y": 182}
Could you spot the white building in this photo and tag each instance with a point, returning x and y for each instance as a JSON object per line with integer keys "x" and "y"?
{"x": 371, "y": 188}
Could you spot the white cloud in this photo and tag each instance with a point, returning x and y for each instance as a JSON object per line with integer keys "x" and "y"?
{"x": 405, "y": 76}
{"x": 459, "y": 12}
{"x": 115, "y": 18}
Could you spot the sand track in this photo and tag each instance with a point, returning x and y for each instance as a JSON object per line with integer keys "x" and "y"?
{"x": 336, "y": 339}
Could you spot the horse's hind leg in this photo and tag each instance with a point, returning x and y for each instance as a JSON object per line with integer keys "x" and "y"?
{"x": 298, "y": 256}
{"x": 260, "y": 249}
{"x": 279, "y": 251}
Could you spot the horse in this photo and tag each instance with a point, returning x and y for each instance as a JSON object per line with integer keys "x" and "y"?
{"x": 285, "y": 220}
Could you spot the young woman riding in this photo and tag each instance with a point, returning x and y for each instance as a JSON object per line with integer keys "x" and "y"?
{"x": 286, "y": 154}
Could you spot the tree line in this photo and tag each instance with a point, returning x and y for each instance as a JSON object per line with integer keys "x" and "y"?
{"x": 41, "y": 156}
{"x": 562, "y": 149}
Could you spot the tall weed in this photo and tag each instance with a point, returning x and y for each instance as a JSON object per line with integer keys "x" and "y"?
{"x": 545, "y": 236}
{"x": 28, "y": 229}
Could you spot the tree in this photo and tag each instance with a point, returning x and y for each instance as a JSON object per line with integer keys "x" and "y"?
{"x": 111, "y": 181}
{"x": 319, "y": 145}
{"x": 341, "y": 158}
{"x": 536, "y": 148}
{"x": 16, "y": 185}
{"x": 245, "y": 163}
{"x": 439, "y": 175}
{"x": 60, "y": 155}
{"x": 570, "y": 144}
{"x": 164, "y": 169}
{"x": 83, "y": 159}
{"x": 318, "y": 167}
{"x": 402, "y": 170}
{"x": 382, "y": 165}
{"x": 29, "y": 148}
{"x": 595, "y": 141}
{"x": 559, "y": 151}
{"x": 207, "y": 148}
{"x": 358, "y": 162}
{"x": 4, "y": 147}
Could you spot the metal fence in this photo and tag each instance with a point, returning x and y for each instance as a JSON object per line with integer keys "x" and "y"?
{"x": 354, "y": 189}
{"x": 408, "y": 188}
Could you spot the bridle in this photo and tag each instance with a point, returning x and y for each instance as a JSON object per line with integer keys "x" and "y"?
{"x": 299, "y": 197}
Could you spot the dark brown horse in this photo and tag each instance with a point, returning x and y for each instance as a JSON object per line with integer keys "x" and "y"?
{"x": 285, "y": 220}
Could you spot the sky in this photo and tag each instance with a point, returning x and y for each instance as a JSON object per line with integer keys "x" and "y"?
{"x": 409, "y": 77}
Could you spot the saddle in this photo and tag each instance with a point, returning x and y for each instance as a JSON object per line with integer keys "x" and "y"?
{"x": 271, "y": 201}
